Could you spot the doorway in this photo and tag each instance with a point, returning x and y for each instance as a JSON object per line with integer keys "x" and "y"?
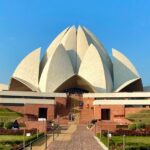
{"x": 105, "y": 114}
{"x": 43, "y": 113}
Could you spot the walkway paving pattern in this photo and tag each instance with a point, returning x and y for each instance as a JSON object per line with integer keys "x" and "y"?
{"x": 79, "y": 138}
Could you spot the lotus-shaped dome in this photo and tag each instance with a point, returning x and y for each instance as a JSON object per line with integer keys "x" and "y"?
{"x": 76, "y": 59}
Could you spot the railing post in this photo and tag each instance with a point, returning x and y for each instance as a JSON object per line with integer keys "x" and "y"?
{"x": 53, "y": 134}
{"x": 30, "y": 145}
{"x": 58, "y": 131}
{"x": 46, "y": 141}
{"x": 37, "y": 133}
{"x": 24, "y": 143}
{"x": 95, "y": 128}
{"x": 108, "y": 139}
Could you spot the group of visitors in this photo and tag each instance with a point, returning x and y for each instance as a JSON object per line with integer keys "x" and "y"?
{"x": 71, "y": 117}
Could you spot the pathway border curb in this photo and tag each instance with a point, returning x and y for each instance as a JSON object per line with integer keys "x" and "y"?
{"x": 100, "y": 143}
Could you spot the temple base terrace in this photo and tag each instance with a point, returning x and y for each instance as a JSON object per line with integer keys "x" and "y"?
{"x": 107, "y": 108}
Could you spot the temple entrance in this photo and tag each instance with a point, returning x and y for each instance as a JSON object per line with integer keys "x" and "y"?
{"x": 73, "y": 109}
{"x": 75, "y": 91}
{"x": 75, "y": 84}
{"x": 105, "y": 114}
{"x": 73, "y": 103}
{"x": 74, "y": 99}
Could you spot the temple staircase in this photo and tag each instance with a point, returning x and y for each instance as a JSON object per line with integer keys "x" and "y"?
{"x": 86, "y": 115}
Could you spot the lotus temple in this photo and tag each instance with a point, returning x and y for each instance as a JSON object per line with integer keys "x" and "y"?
{"x": 76, "y": 75}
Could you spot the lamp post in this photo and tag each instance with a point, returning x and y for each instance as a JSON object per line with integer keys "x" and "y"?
{"x": 24, "y": 144}
{"x": 100, "y": 129}
{"x": 24, "y": 128}
{"x": 95, "y": 127}
{"x": 123, "y": 142}
{"x": 45, "y": 134}
{"x": 109, "y": 136}
{"x": 46, "y": 141}
{"x": 53, "y": 130}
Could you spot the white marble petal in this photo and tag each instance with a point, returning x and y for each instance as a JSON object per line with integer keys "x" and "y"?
{"x": 56, "y": 71}
{"x": 82, "y": 46}
{"x": 124, "y": 71}
{"x": 51, "y": 49}
{"x": 95, "y": 72}
{"x": 69, "y": 42}
{"x": 28, "y": 69}
{"x": 99, "y": 46}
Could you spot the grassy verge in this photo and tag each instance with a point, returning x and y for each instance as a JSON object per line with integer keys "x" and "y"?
{"x": 5, "y": 147}
{"x": 131, "y": 142}
{"x": 8, "y": 141}
{"x": 8, "y": 115}
{"x": 142, "y": 116}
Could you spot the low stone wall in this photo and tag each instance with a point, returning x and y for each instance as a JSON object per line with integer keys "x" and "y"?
{"x": 104, "y": 126}
{"x": 40, "y": 125}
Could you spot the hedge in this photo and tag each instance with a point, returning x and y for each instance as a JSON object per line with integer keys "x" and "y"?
{"x": 16, "y": 132}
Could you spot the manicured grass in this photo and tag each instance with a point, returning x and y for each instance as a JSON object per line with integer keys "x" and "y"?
{"x": 142, "y": 117}
{"x": 14, "y": 138}
{"x": 8, "y": 141}
{"x": 131, "y": 141}
{"x": 5, "y": 147}
{"x": 8, "y": 115}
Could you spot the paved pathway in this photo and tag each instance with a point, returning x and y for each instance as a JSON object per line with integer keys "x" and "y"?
{"x": 76, "y": 139}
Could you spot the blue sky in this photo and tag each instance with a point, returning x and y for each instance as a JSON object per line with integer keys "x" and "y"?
{"x": 29, "y": 24}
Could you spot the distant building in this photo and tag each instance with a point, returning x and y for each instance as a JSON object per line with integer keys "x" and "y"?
{"x": 76, "y": 66}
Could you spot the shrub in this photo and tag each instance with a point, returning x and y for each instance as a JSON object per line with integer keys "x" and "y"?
{"x": 50, "y": 121}
{"x": 34, "y": 137}
{"x": 93, "y": 121}
{"x": 121, "y": 126}
{"x": 90, "y": 125}
{"x": 143, "y": 132}
{"x": 140, "y": 126}
{"x": 16, "y": 132}
{"x": 8, "y": 125}
{"x": 1, "y": 124}
{"x": 132, "y": 126}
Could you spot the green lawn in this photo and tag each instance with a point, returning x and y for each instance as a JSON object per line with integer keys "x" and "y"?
{"x": 131, "y": 141}
{"x": 5, "y": 147}
{"x": 8, "y": 115}
{"x": 8, "y": 141}
{"x": 142, "y": 116}
{"x": 14, "y": 138}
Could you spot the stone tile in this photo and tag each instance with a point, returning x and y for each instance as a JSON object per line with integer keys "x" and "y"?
{"x": 81, "y": 139}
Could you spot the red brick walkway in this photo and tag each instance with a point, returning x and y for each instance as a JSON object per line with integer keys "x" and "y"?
{"x": 82, "y": 139}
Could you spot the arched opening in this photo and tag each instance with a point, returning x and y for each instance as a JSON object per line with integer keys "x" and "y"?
{"x": 75, "y": 87}
{"x": 75, "y": 90}
{"x": 75, "y": 84}
{"x": 133, "y": 87}
{"x": 16, "y": 85}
